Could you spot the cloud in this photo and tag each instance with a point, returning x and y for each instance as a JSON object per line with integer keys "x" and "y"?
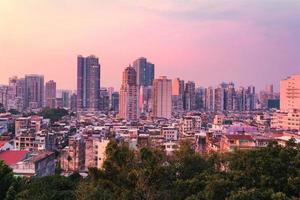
{"x": 186, "y": 9}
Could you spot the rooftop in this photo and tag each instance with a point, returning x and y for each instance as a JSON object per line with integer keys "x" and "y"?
{"x": 13, "y": 156}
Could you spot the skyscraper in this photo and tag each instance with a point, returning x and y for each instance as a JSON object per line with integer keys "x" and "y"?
{"x": 110, "y": 91}
{"x": 266, "y": 95}
{"x": 50, "y": 94}
{"x": 129, "y": 95}
{"x": 209, "y": 99}
{"x": 21, "y": 90}
{"x": 3, "y": 95}
{"x": 219, "y": 99}
{"x": 250, "y": 98}
{"x": 12, "y": 93}
{"x": 290, "y": 93}
{"x": 145, "y": 96}
{"x": 16, "y": 94}
{"x": 88, "y": 83}
{"x": 229, "y": 95}
{"x": 177, "y": 95}
{"x": 240, "y": 99}
{"x": 65, "y": 95}
{"x": 189, "y": 96}
{"x": 162, "y": 98}
{"x": 104, "y": 100}
{"x": 34, "y": 91}
{"x": 73, "y": 102}
{"x": 200, "y": 98}
{"x": 145, "y": 71}
{"x": 115, "y": 101}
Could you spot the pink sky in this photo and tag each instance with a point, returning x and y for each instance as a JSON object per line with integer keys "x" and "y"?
{"x": 249, "y": 42}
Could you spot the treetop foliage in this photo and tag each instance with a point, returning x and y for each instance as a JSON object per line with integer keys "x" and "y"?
{"x": 271, "y": 173}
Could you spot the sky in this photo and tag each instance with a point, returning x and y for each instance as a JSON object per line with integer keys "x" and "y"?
{"x": 249, "y": 42}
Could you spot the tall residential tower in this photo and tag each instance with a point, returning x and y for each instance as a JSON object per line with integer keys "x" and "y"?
{"x": 129, "y": 95}
{"x": 34, "y": 91}
{"x": 50, "y": 94}
{"x": 88, "y": 83}
{"x": 145, "y": 71}
{"x": 162, "y": 98}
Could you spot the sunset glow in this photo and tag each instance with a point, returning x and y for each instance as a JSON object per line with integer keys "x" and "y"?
{"x": 202, "y": 40}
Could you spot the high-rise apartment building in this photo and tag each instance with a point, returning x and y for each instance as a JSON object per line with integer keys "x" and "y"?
{"x": 267, "y": 95}
{"x": 177, "y": 95}
{"x": 209, "y": 99}
{"x": 250, "y": 99}
{"x": 129, "y": 95}
{"x": 219, "y": 99}
{"x": 200, "y": 98}
{"x": 34, "y": 91}
{"x": 50, "y": 94}
{"x": 145, "y": 71}
{"x": 104, "y": 100}
{"x": 189, "y": 96}
{"x": 88, "y": 83}
{"x": 110, "y": 91}
{"x": 21, "y": 90}
{"x": 162, "y": 98}
{"x": 240, "y": 98}
{"x": 115, "y": 101}
{"x": 12, "y": 93}
{"x": 16, "y": 94}
{"x": 65, "y": 95}
{"x": 145, "y": 96}
{"x": 290, "y": 93}
{"x": 3, "y": 95}
{"x": 73, "y": 102}
{"x": 229, "y": 95}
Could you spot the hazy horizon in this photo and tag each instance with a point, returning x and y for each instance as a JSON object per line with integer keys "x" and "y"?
{"x": 251, "y": 42}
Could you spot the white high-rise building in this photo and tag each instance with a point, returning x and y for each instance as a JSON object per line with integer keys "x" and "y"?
{"x": 162, "y": 97}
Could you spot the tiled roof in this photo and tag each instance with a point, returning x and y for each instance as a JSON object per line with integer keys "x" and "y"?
{"x": 12, "y": 157}
{"x": 239, "y": 137}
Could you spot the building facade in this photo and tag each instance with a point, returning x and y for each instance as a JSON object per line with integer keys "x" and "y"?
{"x": 290, "y": 93}
{"x": 34, "y": 91}
{"x": 145, "y": 71}
{"x": 162, "y": 98}
{"x": 50, "y": 94}
{"x": 129, "y": 95}
{"x": 88, "y": 83}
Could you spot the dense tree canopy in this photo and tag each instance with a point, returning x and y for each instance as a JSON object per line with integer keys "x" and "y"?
{"x": 271, "y": 173}
{"x": 54, "y": 114}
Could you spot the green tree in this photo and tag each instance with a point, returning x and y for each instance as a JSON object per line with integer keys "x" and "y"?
{"x": 54, "y": 114}
{"x": 49, "y": 188}
{"x": 6, "y": 179}
{"x": 11, "y": 193}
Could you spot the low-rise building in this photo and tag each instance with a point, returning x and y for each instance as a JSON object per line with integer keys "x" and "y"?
{"x": 233, "y": 142}
{"x": 25, "y": 141}
{"x": 170, "y": 133}
{"x": 170, "y": 147}
{"x": 26, "y": 163}
{"x": 72, "y": 157}
{"x": 286, "y": 120}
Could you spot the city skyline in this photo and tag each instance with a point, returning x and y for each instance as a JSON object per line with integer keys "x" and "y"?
{"x": 275, "y": 86}
{"x": 246, "y": 41}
